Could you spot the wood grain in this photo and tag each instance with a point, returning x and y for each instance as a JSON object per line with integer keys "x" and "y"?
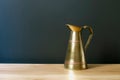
{"x": 57, "y": 72}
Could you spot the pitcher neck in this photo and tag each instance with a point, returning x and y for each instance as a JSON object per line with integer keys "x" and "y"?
{"x": 75, "y": 36}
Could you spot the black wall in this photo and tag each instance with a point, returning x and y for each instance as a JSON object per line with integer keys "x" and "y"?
{"x": 34, "y": 31}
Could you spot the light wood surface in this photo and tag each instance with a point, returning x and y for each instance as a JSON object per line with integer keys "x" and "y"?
{"x": 57, "y": 72}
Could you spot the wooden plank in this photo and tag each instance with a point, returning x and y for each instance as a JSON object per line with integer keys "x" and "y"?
{"x": 57, "y": 72}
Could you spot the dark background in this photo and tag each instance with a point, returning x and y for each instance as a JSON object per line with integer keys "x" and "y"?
{"x": 34, "y": 31}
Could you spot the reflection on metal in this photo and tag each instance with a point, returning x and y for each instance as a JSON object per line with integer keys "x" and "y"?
{"x": 75, "y": 57}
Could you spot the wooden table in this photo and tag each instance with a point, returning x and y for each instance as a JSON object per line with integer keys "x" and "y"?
{"x": 57, "y": 72}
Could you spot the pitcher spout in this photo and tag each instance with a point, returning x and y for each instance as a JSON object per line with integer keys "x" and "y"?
{"x": 74, "y": 28}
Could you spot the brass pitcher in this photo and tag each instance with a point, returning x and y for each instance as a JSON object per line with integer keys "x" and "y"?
{"x": 75, "y": 57}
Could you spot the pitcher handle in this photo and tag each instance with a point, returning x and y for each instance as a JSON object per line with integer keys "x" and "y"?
{"x": 90, "y": 36}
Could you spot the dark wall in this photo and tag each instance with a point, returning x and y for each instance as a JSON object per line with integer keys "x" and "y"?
{"x": 34, "y": 31}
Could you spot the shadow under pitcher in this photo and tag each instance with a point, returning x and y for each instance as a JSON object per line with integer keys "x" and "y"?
{"x": 75, "y": 57}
